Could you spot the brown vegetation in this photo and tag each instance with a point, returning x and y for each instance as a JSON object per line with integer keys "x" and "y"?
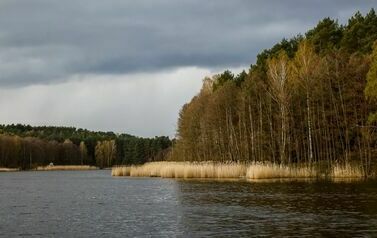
{"x": 307, "y": 109}
{"x": 9, "y": 169}
{"x": 183, "y": 170}
{"x": 235, "y": 171}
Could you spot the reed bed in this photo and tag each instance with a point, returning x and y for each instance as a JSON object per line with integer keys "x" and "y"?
{"x": 272, "y": 171}
{"x": 120, "y": 171}
{"x": 183, "y": 170}
{"x": 65, "y": 167}
{"x": 203, "y": 170}
{"x": 9, "y": 169}
{"x": 347, "y": 171}
{"x": 251, "y": 171}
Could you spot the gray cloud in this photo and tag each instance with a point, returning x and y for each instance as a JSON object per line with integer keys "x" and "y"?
{"x": 140, "y": 104}
{"x": 47, "y": 41}
{"x": 129, "y": 66}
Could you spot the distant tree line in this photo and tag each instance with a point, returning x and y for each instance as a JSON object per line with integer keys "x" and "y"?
{"x": 311, "y": 99}
{"x": 24, "y": 146}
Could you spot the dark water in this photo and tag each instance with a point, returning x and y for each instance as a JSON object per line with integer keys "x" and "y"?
{"x": 94, "y": 204}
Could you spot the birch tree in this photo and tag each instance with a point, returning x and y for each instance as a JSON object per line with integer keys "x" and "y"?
{"x": 278, "y": 72}
{"x": 304, "y": 71}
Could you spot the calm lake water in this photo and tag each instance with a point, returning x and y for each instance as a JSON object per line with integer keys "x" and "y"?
{"x": 94, "y": 204}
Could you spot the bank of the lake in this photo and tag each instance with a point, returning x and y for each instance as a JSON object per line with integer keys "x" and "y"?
{"x": 9, "y": 169}
{"x": 232, "y": 170}
{"x": 53, "y": 168}
{"x": 66, "y": 167}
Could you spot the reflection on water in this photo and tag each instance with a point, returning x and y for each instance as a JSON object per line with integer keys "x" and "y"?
{"x": 275, "y": 209}
{"x": 93, "y": 204}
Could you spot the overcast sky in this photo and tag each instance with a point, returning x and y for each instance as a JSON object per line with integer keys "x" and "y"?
{"x": 129, "y": 66}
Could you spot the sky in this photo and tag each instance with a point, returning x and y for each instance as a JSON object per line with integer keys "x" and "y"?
{"x": 129, "y": 66}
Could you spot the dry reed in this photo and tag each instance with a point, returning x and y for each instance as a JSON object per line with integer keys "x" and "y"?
{"x": 183, "y": 170}
{"x": 271, "y": 171}
{"x": 9, "y": 169}
{"x": 233, "y": 171}
{"x": 120, "y": 171}
{"x": 347, "y": 171}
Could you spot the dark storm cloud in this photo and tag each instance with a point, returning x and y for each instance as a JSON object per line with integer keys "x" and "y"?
{"x": 46, "y": 41}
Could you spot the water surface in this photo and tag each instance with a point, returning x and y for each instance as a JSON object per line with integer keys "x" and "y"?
{"x": 94, "y": 204}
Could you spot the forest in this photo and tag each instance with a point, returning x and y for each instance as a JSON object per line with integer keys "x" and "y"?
{"x": 27, "y": 147}
{"x": 308, "y": 100}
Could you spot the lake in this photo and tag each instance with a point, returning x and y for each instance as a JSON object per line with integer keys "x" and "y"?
{"x": 94, "y": 204}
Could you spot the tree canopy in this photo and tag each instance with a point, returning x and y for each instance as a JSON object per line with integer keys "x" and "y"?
{"x": 26, "y": 146}
{"x": 302, "y": 102}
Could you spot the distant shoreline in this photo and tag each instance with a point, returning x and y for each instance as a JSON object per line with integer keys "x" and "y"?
{"x": 54, "y": 168}
{"x": 9, "y": 169}
{"x": 66, "y": 167}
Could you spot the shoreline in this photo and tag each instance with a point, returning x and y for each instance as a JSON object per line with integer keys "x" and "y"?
{"x": 241, "y": 171}
{"x": 9, "y": 170}
{"x": 55, "y": 168}
{"x": 65, "y": 168}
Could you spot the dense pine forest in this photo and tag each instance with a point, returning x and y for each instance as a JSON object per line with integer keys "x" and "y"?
{"x": 25, "y": 147}
{"x": 308, "y": 100}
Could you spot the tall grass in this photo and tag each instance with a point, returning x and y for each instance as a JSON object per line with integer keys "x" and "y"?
{"x": 271, "y": 171}
{"x": 234, "y": 170}
{"x": 121, "y": 171}
{"x": 183, "y": 170}
{"x": 65, "y": 167}
{"x": 347, "y": 171}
